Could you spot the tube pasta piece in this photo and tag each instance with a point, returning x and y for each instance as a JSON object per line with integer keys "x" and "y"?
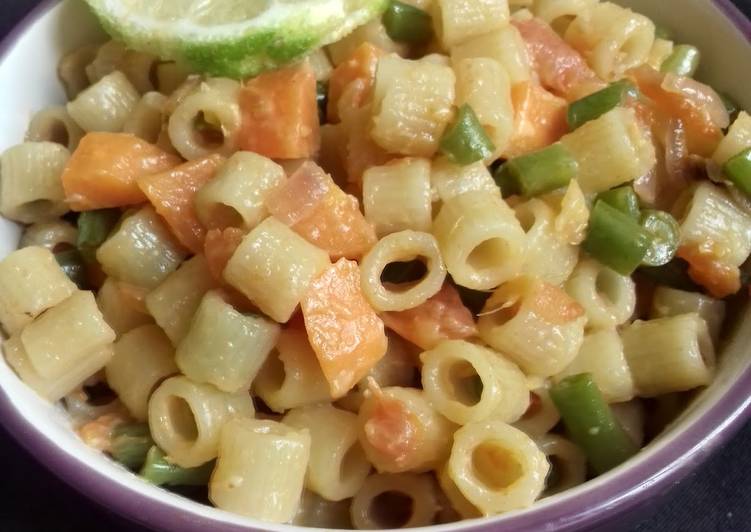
{"x": 738, "y": 138}
{"x": 176, "y": 299}
{"x": 251, "y": 450}
{"x": 273, "y": 267}
{"x": 558, "y": 12}
{"x": 572, "y": 220}
{"x": 407, "y": 495}
{"x": 291, "y": 376}
{"x": 141, "y": 251}
{"x": 169, "y": 76}
{"x": 30, "y": 283}
{"x": 612, "y": 38}
{"x": 337, "y": 467}
{"x": 30, "y": 189}
{"x": 403, "y": 246}
{"x": 601, "y": 355}
{"x": 71, "y": 70}
{"x": 223, "y": 347}
{"x": 143, "y": 357}
{"x": 146, "y": 119}
{"x": 484, "y": 85}
{"x": 374, "y": 33}
{"x": 610, "y": 150}
{"x": 466, "y": 382}
{"x": 236, "y": 195}
{"x": 400, "y": 431}
{"x": 660, "y": 51}
{"x": 186, "y": 418}
{"x": 541, "y": 416}
{"x": 496, "y": 467}
{"x": 669, "y": 354}
{"x": 172, "y": 193}
{"x": 108, "y": 58}
{"x": 52, "y": 235}
{"x": 315, "y": 511}
{"x": 459, "y": 502}
{"x": 537, "y": 325}
{"x": 566, "y": 459}
{"x": 396, "y": 196}
{"x": 457, "y": 21}
{"x": 208, "y": 120}
{"x": 314, "y": 207}
{"x": 505, "y": 45}
{"x": 631, "y": 417}
{"x": 344, "y": 330}
{"x": 105, "y": 105}
{"x": 481, "y": 240}
{"x": 57, "y": 387}
{"x": 412, "y": 105}
{"x": 54, "y": 124}
{"x": 608, "y": 298}
{"x": 57, "y": 339}
{"x": 448, "y": 180}
{"x": 549, "y": 256}
{"x": 668, "y": 301}
{"x": 441, "y": 317}
{"x": 120, "y": 312}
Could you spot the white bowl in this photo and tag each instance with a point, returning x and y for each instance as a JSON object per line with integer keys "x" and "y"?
{"x": 28, "y": 82}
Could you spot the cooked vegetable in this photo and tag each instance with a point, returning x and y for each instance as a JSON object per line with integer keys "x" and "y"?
{"x": 683, "y": 61}
{"x": 537, "y": 173}
{"x": 665, "y": 234}
{"x": 599, "y": 103}
{"x": 465, "y": 141}
{"x": 406, "y": 23}
{"x": 615, "y": 239}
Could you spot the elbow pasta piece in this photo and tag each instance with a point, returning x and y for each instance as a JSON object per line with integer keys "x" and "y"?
{"x": 175, "y": 300}
{"x": 404, "y": 246}
{"x": 608, "y": 298}
{"x": 58, "y": 339}
{"x": 146, "y": 119}
{"x": 482, "y": 242}
{"x": 141, "y": 251}
{"x": 52, "y": 235}
{"x": 223, "y": 347}
{"x": 459, "y": 502}
{"x": 505, "y": 45}
{"x": 496, "y": 467}
{"x": 30, "y": 188}
{"x": 555, "y": 12}
{"x": 71, "y": 70}
{"x": 320, "y": 63}
{"x": 601, "y": 355}
{"x": 612, "y": 39}
{"x": 536, "y": 324}
{"x": 484, "y": 85}
{"x": 661, "y": 50}
{"x": 54, "y": 124}
{"x": 396, "y": 196}
{"x": 186, "y": 417}
{"x": 410, "y": 496}
{"x": 448, "y": 180}
{"x": 573, "y": 218}
{"x": 412, "y": 105}
{"x": 273, "y": 267}
{"x": 143, "y": 358}
{"x": 400, "y": 431}
{"x": 337, "y": 467}
{"x": 738, "y": 138}
{"x": 30, "y": 283}
{"x": 570, "y": 463}
{"x": 466, "y": 382}
{"x": 236, "y": 195}
{"x": 291, "y": 376}
{"x": 251, "y": 450}
{"x": 610, "y": 150}
{"x": 668, "y": 301}
{"x": 120, "y": 312}
{"x": 541, "y": 416}
{"x": 105, "y": 105}
{"x": 207, "y": 120}
{"x": 456, "y": 21}
{"x": 315, "y": 511}
{"x": 549, "y": 257}
{"x": 667, "y": 355}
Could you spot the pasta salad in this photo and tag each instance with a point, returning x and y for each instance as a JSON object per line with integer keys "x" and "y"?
{"x": 468, "y": 256}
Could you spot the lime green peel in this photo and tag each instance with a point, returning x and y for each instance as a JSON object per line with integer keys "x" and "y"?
{"x": 233, "y": 38}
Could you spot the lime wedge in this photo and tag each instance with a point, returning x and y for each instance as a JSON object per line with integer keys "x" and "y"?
{"x": 234, "y": 38}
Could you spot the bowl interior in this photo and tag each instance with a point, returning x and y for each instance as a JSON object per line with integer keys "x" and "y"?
{"x": 28, "y": 83}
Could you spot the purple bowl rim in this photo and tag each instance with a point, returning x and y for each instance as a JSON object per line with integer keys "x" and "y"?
{"x": 630, "y": 487}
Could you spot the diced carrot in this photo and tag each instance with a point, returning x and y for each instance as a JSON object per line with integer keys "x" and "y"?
{"x": 319, "y": 211}
{"x": 359, "y": 72}
{"x": 102, "y": 172}
{"x": 719, "y": 279}
{"x": 560, "y": 67}
{"x": 442, "y": 317}
{"x": 539, "y": 119}
{"x": 133, "y": 296}
{"x": 218, "y": 247}
{"x": 98, "y": 433}
{"x": 344, "y": 330}
{"x": 172, "y": 194}
{"x": 554, "y": 305}
{"x": 280, "y": 114}
{"x": 392, "y": 430}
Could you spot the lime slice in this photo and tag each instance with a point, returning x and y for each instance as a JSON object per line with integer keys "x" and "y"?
{"x": 234, "y": 38}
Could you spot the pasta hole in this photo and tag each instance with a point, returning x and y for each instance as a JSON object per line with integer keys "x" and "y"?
{"x": 351, "y": 462}
{"x": 58, "y": 132}
{"x": 526, "y": 218}
{"x": 223, "y": 216}
{"x": 464, "y": 382}
{"x": 488, "y": 254}
{"x": 183, "y": 420}
{"x": 38, "y": 207}
{"x": 606, "y": 285}
{"x": 208, "y": 130}
{"x": 535, "y": 406}
{"x": 391, "y": 509}
{"x": 273, "y": 371}
{"x": 495, "y": 466}
{"x": 399, "y": 276}
{"x": 154, "y": 75}
{"x": 556, "y": 473}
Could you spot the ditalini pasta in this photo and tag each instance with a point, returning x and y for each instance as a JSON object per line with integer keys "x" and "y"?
{"x": 436, "y": 270}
